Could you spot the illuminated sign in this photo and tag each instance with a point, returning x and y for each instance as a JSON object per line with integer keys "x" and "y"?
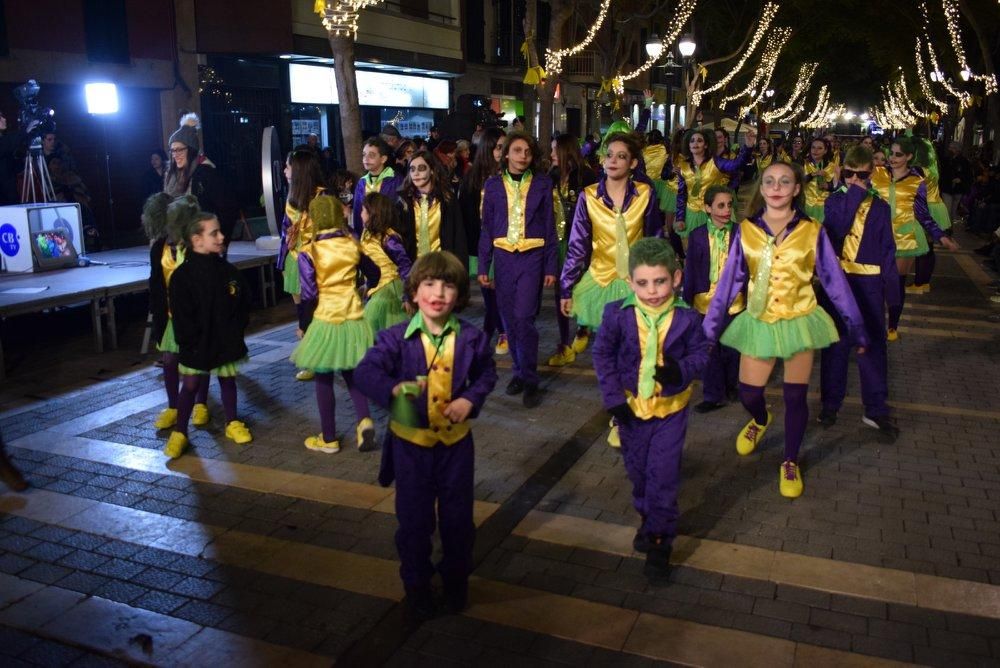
{"x": 311, "y": 84}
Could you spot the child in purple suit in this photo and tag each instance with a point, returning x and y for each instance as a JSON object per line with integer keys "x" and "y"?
{"x": 647, "y": 352}
{"x": 451, "y": 362}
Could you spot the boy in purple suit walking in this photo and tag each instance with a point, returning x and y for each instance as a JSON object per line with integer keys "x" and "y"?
{"x": 647, "y": 352}
{"x": 446, "y": 366}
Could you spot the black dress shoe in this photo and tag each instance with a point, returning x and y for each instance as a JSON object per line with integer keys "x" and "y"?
{"x": 827, "y": 417}
{"x": 641, "y": 542}
{"x": 420, "y": 604}
{"x": 515, "y": 386}
{"x": 532, "y": 396}
{"x": 708, "y": 406}
{"x": 456, "y": 596}
{"x": 657, "y": 566}
{"x": 888, "y": 432}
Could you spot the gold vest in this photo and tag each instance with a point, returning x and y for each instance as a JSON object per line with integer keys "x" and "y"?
{"x": 439, "y": 381}
{"x": 524, "y": 243}
{"x": 790, "y": 290}
{"x": 815, "y": 196}
{"x": 700, "y": 179}
{"x": 852, "y": 242}
{"x": 604, "y": 225}
{"x": 433, "y": 223}
{"x": 169, "y": 261}
{"x": 656, "y": 406}
{"x": 703, "y": 299}
{"x": 336, "y": 261}
{"x": 388, "y": 271}
{"x": 901, "y": 196}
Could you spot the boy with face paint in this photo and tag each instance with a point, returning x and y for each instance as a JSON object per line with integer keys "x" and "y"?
{"x": 647, "y": 352}
{"x": 445, "y": 366}
{"x": 708, "y": 249}
{"x": 859, "y": 225}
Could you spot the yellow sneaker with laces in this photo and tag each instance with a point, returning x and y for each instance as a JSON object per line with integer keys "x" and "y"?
{"x": 199, "y": 415}
{"x": 580, "y": 342}
{"x": 166, "y": 419}
{"x": 237, "y": 431}
{"x": 317, "y": 444}
{"x": 502, "y": 347}
{"x": 918, "y": 289}
{"x": 614, "y": 440}
{"x": 563, "y": 357}
{"x": 751, "y": 435}
{"x": 891, "y": 335}
{"x": 790, "y": 480}
{"x": 176, "y": 445}
{"x": 305, "y": 374}
{"x": 365, "y": 432}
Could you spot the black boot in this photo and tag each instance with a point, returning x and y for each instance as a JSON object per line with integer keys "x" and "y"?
{"x": 532, "y": 396}
{"x": 515, "y": 386}
{"x": 456, "y": 596}
{"x": 657, "y": 567}
{"x": 641, "y": 542}
{"x": 420, "y": 603}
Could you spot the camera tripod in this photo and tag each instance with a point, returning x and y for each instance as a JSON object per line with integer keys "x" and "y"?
{"x": 35, "y": 167}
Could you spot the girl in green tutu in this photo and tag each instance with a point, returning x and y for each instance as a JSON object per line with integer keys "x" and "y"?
{"x": 700, "y": 167}
{"x": 382, "y": 244}
{"x": 305, "y": 181}
{"x": 210, "y": 305}
{"x": 925, "y": 159}
{"x": 774, "y": 256}
{"x": 337, "y": 336}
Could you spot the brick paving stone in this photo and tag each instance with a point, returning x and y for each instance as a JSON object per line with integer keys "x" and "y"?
{"x": 200, "y": 612}
{"x": 14, "y": 641}
{"x": 123, "y": 592}
{"x": 895, "y": 650}
{"x": 49, "y": 653}
{"x": 159, "y": 601}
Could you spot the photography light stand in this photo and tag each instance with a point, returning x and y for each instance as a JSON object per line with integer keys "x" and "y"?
{"x": 102, "y": 100}
{"x": 36, "y": 167}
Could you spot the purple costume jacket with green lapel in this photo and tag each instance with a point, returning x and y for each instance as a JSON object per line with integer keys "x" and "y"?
{"x": 539, "y": 220}
{"x": 388, "y": 187}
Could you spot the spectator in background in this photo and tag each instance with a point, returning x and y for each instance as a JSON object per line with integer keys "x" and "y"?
{"x": 152, "y": 178}
{"x": 956, "y": 178}
{"x": 11, "y": 143}
{"x": 462, "y": 158}
{"x": 390, "y": 135}
{"x": 434, "y": 139}
{"x": 312, "y": 142}
{"x": 405, "y": 151}
{"x": 446, "y": 152}
{"x": 53, "y": 148}
{"x": 517, "y": 124}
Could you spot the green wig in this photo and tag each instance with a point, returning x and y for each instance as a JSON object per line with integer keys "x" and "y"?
{"x": 652, "y": 252}
{"x": 184, "y": 219}
{"x": 154, "y": 215}
{"x": 621, "y": 125}
{"x": 327, "y": 213}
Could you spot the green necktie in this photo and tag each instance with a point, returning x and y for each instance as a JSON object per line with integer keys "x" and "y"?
{"x": 424, "y": 242}
{"x": 621, "y": 244}
{"x": 647, "y": 367}
{"x": 757, "y": 300}
{"x": 720, "y": 248}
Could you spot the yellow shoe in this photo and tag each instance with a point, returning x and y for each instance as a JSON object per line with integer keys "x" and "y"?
{"x": 751, "y": 435}
{"x": 918, "y": 289}
{"x": 319, "y": 445}
{"x": 305, "y": 374}
{"x": 176, "y": 445}
{"x": 891, "y": 335}
{"x": 614, "y": 440}
{"x": 237, "y": 431}
{"x": 365, "y": 431}
{"x": 502, "y": 347}
{"x": 563, "y": 357}
{"x": 199, "y": 416}
{"x": 580, "y": 342}
{"x": 167, "y": 419}
{"x": 790, "y": 480}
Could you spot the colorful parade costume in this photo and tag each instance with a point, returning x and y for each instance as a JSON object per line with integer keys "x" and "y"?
{"x": 708, "y": 248}
{"x": 860, "y": 230}
{"x": 384, "y": 307}
{"x": 431, "y": 463}
{"x": 819, "y": 185}
{"x": 697, "y": 180}
{"x": 387, "y": 183}
{"x": 296, "y": 232}
{"x": 164, "y": 258}
{"x": 428, "y": 224}
{"x": 652, "y": 441}
{"x": 518, "y": 243}
{"x": 597, "y": 258}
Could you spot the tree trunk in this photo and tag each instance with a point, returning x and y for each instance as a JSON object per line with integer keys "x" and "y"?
{"x": 992, "y": 102}
{"x": 561, "y": 13}
{"x": 347, "y": 94}
{"x": 530, "y": 26}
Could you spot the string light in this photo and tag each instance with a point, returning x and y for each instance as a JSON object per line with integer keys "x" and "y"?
{"x": 340, "y": 17}
{"x": 553, "y": 59}
{"x": 951, "y": 20}
{"x": 790, "y": 111}
{"x": 815, "y": 118}
{"x": 899, "y": 88}
{"x": 770, "y": 10}
{"x": 965, "y": 100}
{"x": 925, "y": 87}
{"x": 765, "y": 72}
{"x": 684, "y": 10}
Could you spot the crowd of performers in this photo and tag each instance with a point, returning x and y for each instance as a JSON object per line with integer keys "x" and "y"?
{"x": 647, "y": 254}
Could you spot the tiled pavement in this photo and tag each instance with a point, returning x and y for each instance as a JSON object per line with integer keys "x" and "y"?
{"x": 270, "y": 554}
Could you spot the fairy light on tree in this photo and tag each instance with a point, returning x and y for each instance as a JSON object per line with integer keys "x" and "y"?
{"x": 964, "y": 99}
{"x": 554, "y": 59}
{"x": 770, "y": 10}
{"x": 925, "y": 86}
{"x": 954, "y": 32}
{"x": 684, "y": 10}
{"x": 759, "y": 84}
{"x": 790, "y": 110}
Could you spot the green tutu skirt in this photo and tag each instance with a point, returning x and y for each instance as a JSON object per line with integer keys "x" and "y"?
{"x": 692, "y": 221}
{"x": 919, "y": 235}
{"x": 290, "y": 275}
{"x": 168, "y": 344}
{"x": 228, "y": 370}
{"x": 817, "y": 212}
{"x": 385, "y": 307}
{"x": 327, "y": 347}
{"x": 783, "y": 338}
{"x": 589, "y": 299}
{"x": 473, "y": 266}
{"x": 939, "y": 212}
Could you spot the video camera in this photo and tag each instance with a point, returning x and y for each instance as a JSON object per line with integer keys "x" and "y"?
{"x": 34, "y": 120}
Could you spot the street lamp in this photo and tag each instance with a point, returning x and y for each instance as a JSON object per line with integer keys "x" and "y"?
{"x": 965, "y": 74}
{"x": 686, "y": 46}
{"x": 935, "y": 76}
{"x": 770, "y": 92}
{"x": 654, "y": 47}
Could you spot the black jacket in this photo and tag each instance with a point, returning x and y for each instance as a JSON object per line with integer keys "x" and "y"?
{"x": 210, "y": 189}
{"x": 11, "y": 143}
{"x": 210, "y": 304}
{"x": 452, "y": 229}
{"x": 956, "y": 167}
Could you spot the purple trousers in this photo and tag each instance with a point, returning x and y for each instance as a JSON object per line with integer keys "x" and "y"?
{"x": 434, "y": 489}
{"x": 518, "y": 278}
{"x": 873, "y": 365}
{"x": 722, "y": 373}
{"x": 651, "y": 451}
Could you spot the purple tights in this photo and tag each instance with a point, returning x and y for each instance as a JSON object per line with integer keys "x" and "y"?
{"x": 752, "y": 398}
{"x": 796, "y": 417}
{"x": 194, "y": 389}
{"x": 327, "y": 402}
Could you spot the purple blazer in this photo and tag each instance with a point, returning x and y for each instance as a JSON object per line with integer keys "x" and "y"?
{"x": 734, "y": 279}
{"x": 617, "y": 355}
{"x": 394, "y": 359}
{"x": 922, "y": 212}
{"x": 283, "y": 250}
{"x": 388, "y": 187}
{"x": 878, "y": 246}
{"x": 581, "y": 244}
{"x": 697, "y": 264}
{"x": 539, "y": 220}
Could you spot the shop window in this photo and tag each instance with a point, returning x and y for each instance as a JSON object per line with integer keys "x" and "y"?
{"x": 106, "y": 28}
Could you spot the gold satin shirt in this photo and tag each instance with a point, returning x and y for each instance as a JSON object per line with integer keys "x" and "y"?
{"x": 388, "y": 271}
{"x": 336, "y": 264}
{"x": 703, "y": 299}
{"x": 790, "y": 290}
{"x": 815, "y": 196}
{"x": 852, "y": 242}
{"x": 603, "y": 227}
{"x": 901, "y": 196}
{"x": 700, "y": 179}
